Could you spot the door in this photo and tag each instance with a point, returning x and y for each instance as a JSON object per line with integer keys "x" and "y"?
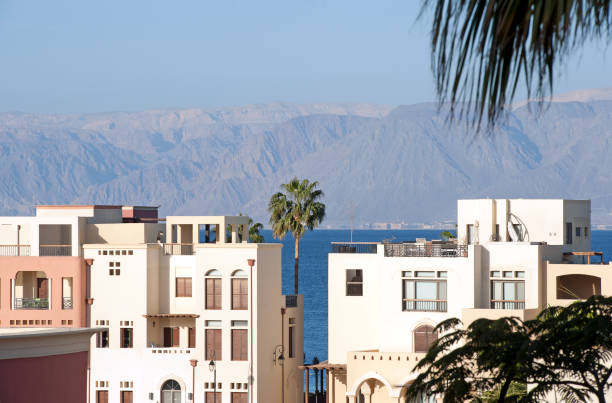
{"x": 43, "y": 288}
{"x": 102, "y": 396}
{"x": 126, "y": 396}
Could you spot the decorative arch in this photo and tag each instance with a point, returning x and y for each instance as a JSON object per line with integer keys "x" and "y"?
{"x": 371, "y": 375}
{"x": 239, "y": 273}
{"x": 578, "y": 286}
{"x": 213, "y": 273}
{"x": 167, "y": 378}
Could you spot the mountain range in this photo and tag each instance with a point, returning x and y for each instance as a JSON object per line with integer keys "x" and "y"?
{"x": 375, "y": 163}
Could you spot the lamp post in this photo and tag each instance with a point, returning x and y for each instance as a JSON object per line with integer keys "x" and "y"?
{"x": 279, "y": 358}
{"x": 213, "y": 368}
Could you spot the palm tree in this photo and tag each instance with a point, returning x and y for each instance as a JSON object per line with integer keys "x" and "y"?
{"x": 297, "y": 210}
{"x": 482, "y": 49}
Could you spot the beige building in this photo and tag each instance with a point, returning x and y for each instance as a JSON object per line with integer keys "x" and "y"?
{"x": 512, "y": 257}
{"x": 192, "y": 312}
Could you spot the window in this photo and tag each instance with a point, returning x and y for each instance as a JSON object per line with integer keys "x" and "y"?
{"x": 171, "y": 392}
{"x": 126, "y": 334}
{"x": 239, "y": 397}
{"x": 126, "y": 396}
{"x": 213, "y": 293}
{"x": 172, "y": 337}
{"x": 586, "y": 232}
{"x": 183, "y": 286}
{"x": 508, "y": 274}
{"x": 424, "y": 336}
{"x": 239, "y": 345}
{"x": 291, "y": 341}
{"x": 424, "y": 295}
{"x": 213, "y": 344}
{"x": 102, "y": 396}
{"x": 240, "y": 293}
{"x": 507, "y": 294}
{"x": 470, "y": 234}
{"x": 354, "y": 282}
{"x": 210, "y": 397}
{"x": 496, "y": 236}
{"x": 568, "y": 233}
{"x": 578, "y": 231}
{"x": 192, "y": 337}
{"x": 102, "y": 339}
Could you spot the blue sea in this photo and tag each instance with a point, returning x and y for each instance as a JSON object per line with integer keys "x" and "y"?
{"x": 314, "y": 248}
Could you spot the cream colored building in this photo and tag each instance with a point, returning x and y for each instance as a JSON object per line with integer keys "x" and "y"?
{"x": 512, "y": 257}
{"x": 174, "y": 295}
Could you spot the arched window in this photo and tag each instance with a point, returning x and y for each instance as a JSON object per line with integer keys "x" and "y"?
{"x": 421, "y": 398}
{"x": 424, "y": 336}
{"x": 240, "y": 290}
{"x": 171, "y": 392}
{"x": 213, "y": 289}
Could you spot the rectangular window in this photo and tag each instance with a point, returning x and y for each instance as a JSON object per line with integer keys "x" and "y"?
{"x": 210, "y": 397}
{"x": 496, "y": 236}
{"x": 508, "y": 274}
{"x": 102, "y": 339}
{"x": 126, "y": 396}
{"x": 568, "y": 233}
{"x": 183, "y": 286}
{"x": 192, "y": 337}
{"x": 291, "y": 341}
{"x": 470, "y": 234}
{"x": 354, "y": 282}
{"x": 126, "y": 334}
{"x": 507, "y": 294}
{"x": 586, "y": 232}
{"x": 240, "y": 293}
{"x": 213, "y": 344}
{"x": 424, "y": 274}
{"x": 213, "y": 293}
{"x": 102, "y": 396}
{"x": 240, "y": 397}
{"x": 424, "y": 295}
{"x": 495, "y": 274}
{"x": 578, "y": 230}
{"x": 172, "y": 337}
{"x": 239, "y": 345}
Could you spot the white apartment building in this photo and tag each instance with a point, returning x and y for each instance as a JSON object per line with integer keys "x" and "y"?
{"x": 511, "y": 258}
{"x": 192, "y": 313}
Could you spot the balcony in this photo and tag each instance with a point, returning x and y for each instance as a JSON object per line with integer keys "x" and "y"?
{"x": 353, "y": 247}
{"x": 31, "y": 303}
{"x": 425, "y": 250}
{"x": 507, "y": 304}
{"x": 178, "y": 249}
{"x": 55, "y": 250}
{"x": 67, "y": 303}
{"x": 425, "y": 305}
{"x": 14, "y": 250}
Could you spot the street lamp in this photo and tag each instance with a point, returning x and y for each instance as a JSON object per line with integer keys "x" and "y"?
{"x": 213, "y": 368}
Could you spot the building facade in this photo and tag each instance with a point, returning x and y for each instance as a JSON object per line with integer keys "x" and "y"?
{"x": 510, "y": 258}
{"x": 191, "y": 311}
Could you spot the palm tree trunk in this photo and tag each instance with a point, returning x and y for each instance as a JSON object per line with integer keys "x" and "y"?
{"x": 504, "y": 390}
{"x": 295, "y": 267}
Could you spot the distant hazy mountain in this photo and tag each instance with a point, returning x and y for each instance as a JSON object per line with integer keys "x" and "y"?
{"x": 376, "y": 163}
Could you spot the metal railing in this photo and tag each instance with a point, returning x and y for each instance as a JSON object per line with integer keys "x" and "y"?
{"x": 425, "y": 250}
{"x": 55, "y": 250}
{"x": 14, "y": 250}
{"x": 178, "y": 249}
{"x": 31, "y": 303}
{"x": 425, "y": 305}
{"x": 291, "y": 301}
{"x": 507, "y": 304}
{"x": 67, "y": 303}
{"x": 353, "y": 247}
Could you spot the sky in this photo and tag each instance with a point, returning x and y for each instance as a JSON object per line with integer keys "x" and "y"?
{"x": 84, "y": 57}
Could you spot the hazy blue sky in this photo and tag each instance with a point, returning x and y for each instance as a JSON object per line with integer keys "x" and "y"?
{"x": 86, "y": 56}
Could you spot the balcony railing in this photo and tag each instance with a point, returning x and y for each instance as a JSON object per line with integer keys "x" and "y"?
{"x": 507, "y": 304}
{"x": 31, "y": 303}
{"x": 425, "y": 305}
{"x": 353, "y": 247}
{"x": 425, "y": 250}
{"x": 55, "y": 250}
{"x": 291, "y": 301}
{"x": 178, "y": 249}
{"x": 14, "y": 250}
{"x": 67, "y": 303}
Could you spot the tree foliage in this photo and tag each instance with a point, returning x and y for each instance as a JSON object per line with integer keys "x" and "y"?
{"x": 566, "y": 351}
{"x": 482, "y": 49}
{"x": 295, "y": 211}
